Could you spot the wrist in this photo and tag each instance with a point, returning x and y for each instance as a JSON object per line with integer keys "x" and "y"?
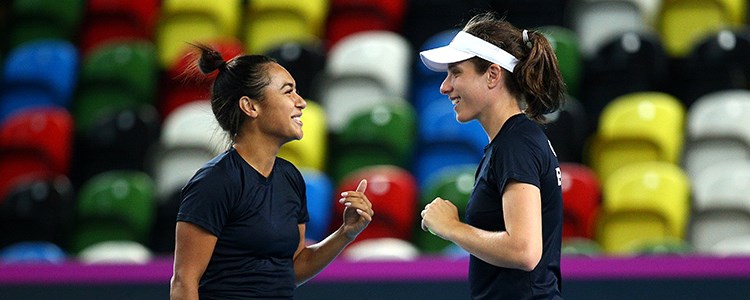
{"x": 347, "y": 234}
{"x": 451, "y": 231}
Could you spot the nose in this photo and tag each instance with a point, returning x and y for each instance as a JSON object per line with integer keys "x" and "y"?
{"x": 445, "y": 86}
{"x": 301, "y": 103}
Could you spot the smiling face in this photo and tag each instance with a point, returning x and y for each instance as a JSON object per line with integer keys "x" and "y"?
{"x": 281, "y": 108}
{"x": 467, "y": 89}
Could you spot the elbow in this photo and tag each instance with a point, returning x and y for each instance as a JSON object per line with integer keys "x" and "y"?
{"x": 530, "y": 258}
{"x": 529, "y": 262}
{"x": 179, "y": 288}
{"x": 175, "y": 284}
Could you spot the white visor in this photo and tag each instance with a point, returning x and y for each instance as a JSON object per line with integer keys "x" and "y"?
{"x": 463, "y": 47}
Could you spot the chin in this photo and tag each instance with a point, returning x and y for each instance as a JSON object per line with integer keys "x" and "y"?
{"x": 461, "y": 120}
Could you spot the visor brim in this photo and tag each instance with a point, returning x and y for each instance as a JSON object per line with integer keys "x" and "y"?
{"x": 438, "y": 59}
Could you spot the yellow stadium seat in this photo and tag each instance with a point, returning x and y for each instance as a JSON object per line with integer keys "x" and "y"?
{"x": 737, "y": 10}
{"x": 643, "y": 203}
{"x": 637, "y": 127}
{"x": 310, "y": 151}
{"x": 682, "y": 23}
{"x": 272, "y": 22}
{"x": 190, "y": 21}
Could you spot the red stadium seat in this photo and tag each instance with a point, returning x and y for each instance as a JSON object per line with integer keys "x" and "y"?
{"x": 18, "y": 167}
{"x": 346, "y": 17}
{"x": 393, "y": 194}
{"x": 47, "y": 130}
{"x": 107, "y": 20}
{"x": 581, "y": 200}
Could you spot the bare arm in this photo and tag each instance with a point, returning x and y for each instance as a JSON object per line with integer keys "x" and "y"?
{"x": 193, "y": 248}
{"x": 518, "y": 247}
{"x": 310, "y": 260}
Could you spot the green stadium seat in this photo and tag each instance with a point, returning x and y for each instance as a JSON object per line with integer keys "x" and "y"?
{"x": 452, "y": 183}
{"x": 44, "y": 19}
{"x": 666, "y": 246}
{"x": 565, "y": 43}
{"x": 382, "y": 135}
{"x": 115, "y": 76}
{"x": 579, "y": 246}
{"x": 114, "y": 205}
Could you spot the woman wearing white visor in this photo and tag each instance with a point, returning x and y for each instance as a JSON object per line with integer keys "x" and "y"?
{"x": 507, "y": 79}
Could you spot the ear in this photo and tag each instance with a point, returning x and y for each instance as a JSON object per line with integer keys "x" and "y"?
{"x": 248, "y": 106}
{"x": 494, "y": 76}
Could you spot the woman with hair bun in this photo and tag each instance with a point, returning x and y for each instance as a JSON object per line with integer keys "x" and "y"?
{"x": 507, "y": 79}
{"x": 240, "y": 230}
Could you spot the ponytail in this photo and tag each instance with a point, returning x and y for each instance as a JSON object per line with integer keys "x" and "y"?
{"x": 210, "y": 60}
{"x": 538, "y": 78}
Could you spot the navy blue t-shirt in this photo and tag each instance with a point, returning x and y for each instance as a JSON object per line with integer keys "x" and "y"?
{"x": 519, "y": 152}
{"x": 256, "y": 221}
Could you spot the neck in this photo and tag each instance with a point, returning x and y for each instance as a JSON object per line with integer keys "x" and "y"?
{"x": 258, "y": 152}
{"x": 495, "y": 116}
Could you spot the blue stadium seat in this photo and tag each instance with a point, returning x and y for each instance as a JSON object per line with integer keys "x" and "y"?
{"x": 319, "y": 203}
{"x": 32, "y": 252}
{"x": 443, "y": 141}
{"x": 426, "y": 83}
{"x": 28, "y": 82}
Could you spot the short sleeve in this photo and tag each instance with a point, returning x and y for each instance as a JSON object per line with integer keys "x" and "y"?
{"x": 206, "y": 200}
{"x": 518, "y": 161}
{"x": 303, "y": 216}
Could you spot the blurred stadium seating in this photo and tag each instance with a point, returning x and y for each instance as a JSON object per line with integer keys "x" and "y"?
{"x": 96, "y": 90}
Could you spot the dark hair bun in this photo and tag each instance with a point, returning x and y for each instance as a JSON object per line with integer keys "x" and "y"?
{"x": 210, "y": 60}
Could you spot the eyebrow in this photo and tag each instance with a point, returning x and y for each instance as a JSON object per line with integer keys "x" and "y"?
{"x": 289, "y": 84}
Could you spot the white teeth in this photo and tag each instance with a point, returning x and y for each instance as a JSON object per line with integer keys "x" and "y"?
{"x": 454, "y": 101}
{"x": 297, "y": 119}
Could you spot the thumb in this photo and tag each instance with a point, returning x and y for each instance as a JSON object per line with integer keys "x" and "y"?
{"x": 362, "y": 186}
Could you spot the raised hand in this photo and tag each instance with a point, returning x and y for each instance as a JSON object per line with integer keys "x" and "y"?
{"x": 358, "y": 212}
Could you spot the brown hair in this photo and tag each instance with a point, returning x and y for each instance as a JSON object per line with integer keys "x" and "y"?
{"x": 245, "y": 75}
{"x": 536, "y": 79}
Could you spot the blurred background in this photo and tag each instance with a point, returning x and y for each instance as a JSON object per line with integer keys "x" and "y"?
{"x": 103, "y": 119}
